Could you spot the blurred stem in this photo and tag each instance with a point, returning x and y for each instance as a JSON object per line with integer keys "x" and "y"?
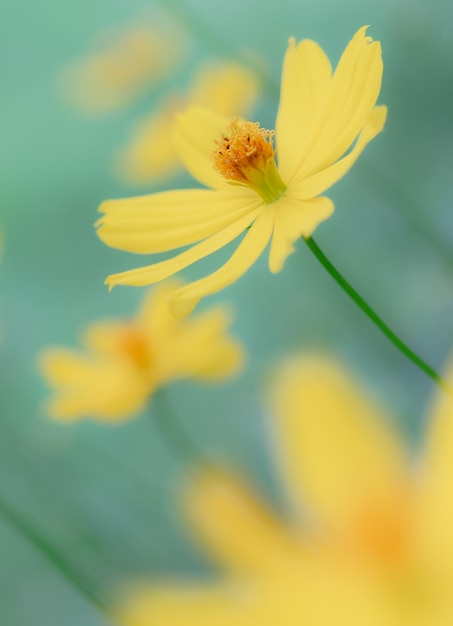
{"x": 45, "y": 548}
{"x": 178, "y": 440}
{"x": 201, "y": 30}
{"x": 397, "y": 198}
{"x": 374, "y": 317}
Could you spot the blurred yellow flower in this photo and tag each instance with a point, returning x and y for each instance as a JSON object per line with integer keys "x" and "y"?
{"x": 320, "y": 116}
{"x": 129, "y": 61}
{"x": 371, "y": 545}
{"x": 151, "y": 155}
{"x": 124, "y": 361}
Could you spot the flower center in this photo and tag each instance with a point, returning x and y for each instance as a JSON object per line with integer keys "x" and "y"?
{"x": 134, "y": 346}
{"x": 245, "y": 155}
{"x": 382, "y": 529}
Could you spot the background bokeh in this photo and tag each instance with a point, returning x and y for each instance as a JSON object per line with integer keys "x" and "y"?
{"x": 105, "y": 496}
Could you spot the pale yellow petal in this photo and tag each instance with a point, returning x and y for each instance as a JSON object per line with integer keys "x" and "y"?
{"x": 150, "y": 155}
{"x": 435, "y": 510}
{"x": 159, "y": 271}
{"x": 236, "y": 528}
{"x": 188, "y": 605}
{"x": 129, "y": 61}
{"x": 102, "y": 337}
{"x": 154, "y": 317}
{"x": 185, "y": 299}
{"x": 195, "y": 133}
{"x": 318, "y": 183}
{"x": 353, "y": 93}
{"x": 340, "y": 454}
{"x": 228, "y": 89}
{"x": 203, "y": 348}
{"x": 105, "y": 389}
{"x": 199, "y": 346}
{"x": 321, "y": 595}
{"x": 295, "y": 218}
{"x": 172, "y": 219}
{"x": 306, "y": 79}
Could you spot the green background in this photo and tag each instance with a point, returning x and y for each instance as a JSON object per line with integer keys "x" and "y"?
{"x": 105, "y": 496}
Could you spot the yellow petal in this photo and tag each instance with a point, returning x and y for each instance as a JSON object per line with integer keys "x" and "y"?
{"x": 102, "y": 337}
{"x": 295, "y": 218}
{"x": 306, "y": 79}
{"x": 318, "y": 183}
{"x": 154, "y": 318}
{"x": 185, "y": 299}
{"x": 198, "y": 346}
{"x": 172, "y": 219}
{"x": 435, "y": 511}
{"x": 203, "y": 349}
{"x": 353, "y": 93}
{"x": 106, "y": 389}
{"x": 129, "y": 62}
{"x": 235, "y": 527}
{"x": 188, "y": 605}
{"x": 159, "y": 271}
{"x": 150, "y": 155}
{"x": 227, "y": 89}
{"x": 195, "y": 133}
{"x": 340, "y": 454}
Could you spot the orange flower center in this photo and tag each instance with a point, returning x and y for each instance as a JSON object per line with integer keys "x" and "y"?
{"x": 133, "y": 345}
{"x": 245, "y": 155}
{"x": 381, "y": 530}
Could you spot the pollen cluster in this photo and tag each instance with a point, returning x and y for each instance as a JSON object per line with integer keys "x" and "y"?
{"x": 243, "y": 148}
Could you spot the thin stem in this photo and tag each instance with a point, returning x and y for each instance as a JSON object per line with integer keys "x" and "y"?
{"x": 213, "y": 39}
{"x": 42, "y": 545}
{"x": 397, "y": 198}
{"x": 172, "y": 431}
{"x": 374, "y": 317}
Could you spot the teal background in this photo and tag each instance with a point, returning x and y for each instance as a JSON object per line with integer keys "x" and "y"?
{"x": 104, "y": 497}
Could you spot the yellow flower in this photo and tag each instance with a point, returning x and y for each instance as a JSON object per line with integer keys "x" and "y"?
{"x": 129, "y": 61}
{"x": 125, "y": 361}
{"x": 370, "y": 541}
{"x": 320, "y": 117}
{"x": 151, "y": 154}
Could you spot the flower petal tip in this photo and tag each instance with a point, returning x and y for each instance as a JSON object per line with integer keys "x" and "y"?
{"x": 182, "y": 307}
{"x": 110, "y": 283}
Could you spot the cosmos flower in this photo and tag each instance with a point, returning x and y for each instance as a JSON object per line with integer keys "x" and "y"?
{"x": 272, "y": 193}
{"x": 370, "y": 539}
{"x": 124, "y": 361}
{"x": 150, "y": 155}
{"x": 128, "y": 61}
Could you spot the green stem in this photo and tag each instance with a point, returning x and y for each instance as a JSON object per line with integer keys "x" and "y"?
{"x": 24, "y": 528}
{"x": 174, "y": 434}
{"x": 374, "y": 317}
{"x": 400, "y": 201}
{"x": 201, "y": 30}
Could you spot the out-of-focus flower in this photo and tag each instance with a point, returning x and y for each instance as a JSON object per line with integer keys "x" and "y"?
{"x": 372, "y": 543}
{"x": 151, "y": 155}
{"x": 320, "y": 117}
{"x": 128, "y": 62}
{"x": 124, "y": 361}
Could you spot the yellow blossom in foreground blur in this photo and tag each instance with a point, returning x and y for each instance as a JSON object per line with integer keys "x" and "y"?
{"x": 320, "y": 117}
{"x": 371, "y": 539}
{"x": 128, "y": 62}
{"x": 151, "y": 155}
{"x": 124, "y": 361}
